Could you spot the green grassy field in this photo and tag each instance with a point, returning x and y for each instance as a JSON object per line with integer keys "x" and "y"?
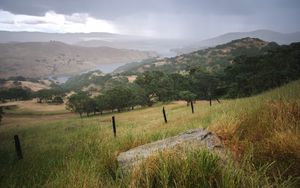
{"x": 261, "y": 133}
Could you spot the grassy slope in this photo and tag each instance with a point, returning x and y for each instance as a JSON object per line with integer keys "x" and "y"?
{"x": 33, "y": 108}
{"x": 76, "y": 152}
{"x": 212, "y": 59}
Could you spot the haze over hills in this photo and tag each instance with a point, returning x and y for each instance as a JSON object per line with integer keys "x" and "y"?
{"x": 98, "y": 39}
{"x": 213, "y": 59}
{"x": 31, "y": 54}
{"x": 161, "y": 46}
{"x": 44, "y": 59}
{"x": 69, "y": 38}
{"x": 165, "y": 47}
{"x": 266, "y": 35}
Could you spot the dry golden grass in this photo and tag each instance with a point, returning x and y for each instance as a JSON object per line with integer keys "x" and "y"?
{"x": 31, "y": 113}
{"x": 272, "y": 132}
{"x": 12, "y": 120}
{"x": 132, "y": 78}
{"x": 36, "y": 108}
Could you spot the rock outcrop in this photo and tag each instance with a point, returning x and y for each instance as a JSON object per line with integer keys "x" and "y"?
{"x": 192, "y": 139}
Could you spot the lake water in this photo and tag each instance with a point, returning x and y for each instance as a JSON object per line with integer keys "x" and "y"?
{"x": 105, "y": 68}
{"x": 108, "y": 68}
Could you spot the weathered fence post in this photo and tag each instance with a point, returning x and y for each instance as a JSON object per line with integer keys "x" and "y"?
{"x": 18, "y": 147}
{"x": 209, "y": 101}
{"x": 192, "y": 106}
{"x": 114, "y": 126}
{"x": 165, "y": 116}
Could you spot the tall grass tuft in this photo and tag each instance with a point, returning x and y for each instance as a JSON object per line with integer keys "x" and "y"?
{"x": 175, "y": 169}
{"x": 203, "y": 169}
{"x": 272, "y": 131}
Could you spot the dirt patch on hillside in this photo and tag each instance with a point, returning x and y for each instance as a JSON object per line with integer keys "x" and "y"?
{"x": 132, "y": 78}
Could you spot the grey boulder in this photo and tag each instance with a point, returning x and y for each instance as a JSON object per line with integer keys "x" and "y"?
{"x": 192, "y": 139}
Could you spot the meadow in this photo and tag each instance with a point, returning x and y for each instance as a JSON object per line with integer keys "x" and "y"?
{"x": 261, "y": 134}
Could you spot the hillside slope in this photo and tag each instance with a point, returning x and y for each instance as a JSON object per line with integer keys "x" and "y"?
{"x": 213, "y": 59}
{"x": 43, "y": 59}
{"x": 267, "y": 35}
{"x": 162, "y": 46}
{"x": 84, "y": 150}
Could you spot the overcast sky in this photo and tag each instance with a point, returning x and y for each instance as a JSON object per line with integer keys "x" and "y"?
{"x": 154, "y": 18}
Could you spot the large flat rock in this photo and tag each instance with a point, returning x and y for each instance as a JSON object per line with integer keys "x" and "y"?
{"x": 192, "y": 139}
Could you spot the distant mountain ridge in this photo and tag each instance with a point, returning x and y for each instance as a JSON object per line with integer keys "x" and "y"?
{"x": 44, "y": 59}
{"x": 212, "y": 59}
{"x": 162, "y": 46}
{"x": 165, "y": 47}
{"x": 69, "y": 38}
{"x": 266, "y": 35}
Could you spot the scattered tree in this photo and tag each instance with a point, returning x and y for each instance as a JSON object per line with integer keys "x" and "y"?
{"x": 15, "y": 94}
{"x": 57, "y": 100}
{"x": 101, "y": 103}
{"x": 119, "y": 98}
{"x": 187, "y": 96}
{"x": 77, "y": 103}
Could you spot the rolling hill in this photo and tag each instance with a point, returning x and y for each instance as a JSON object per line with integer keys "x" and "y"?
{"x": 266, "y": 35}
{"x": 69, "y": 38}
{"x": 162, "y": 46}
{"x": 213, "y": 59}
{"x": 44, "y": 59}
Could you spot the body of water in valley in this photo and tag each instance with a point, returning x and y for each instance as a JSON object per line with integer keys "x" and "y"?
{"x": 105, "y": 68}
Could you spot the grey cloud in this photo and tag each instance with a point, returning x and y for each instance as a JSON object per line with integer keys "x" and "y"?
{"x": 174, "y": 18}
{"x": 77, "y": 18}
{"x": 117, "y": 8}
{"x": 33, "y": 22}
{"x": 7, "y": 22}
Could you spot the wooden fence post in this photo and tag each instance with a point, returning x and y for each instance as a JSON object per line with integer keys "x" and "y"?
{"x": 209, "y": 101}
{"x": 18, "y": 147}
{"x": 165, "y": 116}
{"x": 114, "y": 126}
{"x": 192, "y": 106}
